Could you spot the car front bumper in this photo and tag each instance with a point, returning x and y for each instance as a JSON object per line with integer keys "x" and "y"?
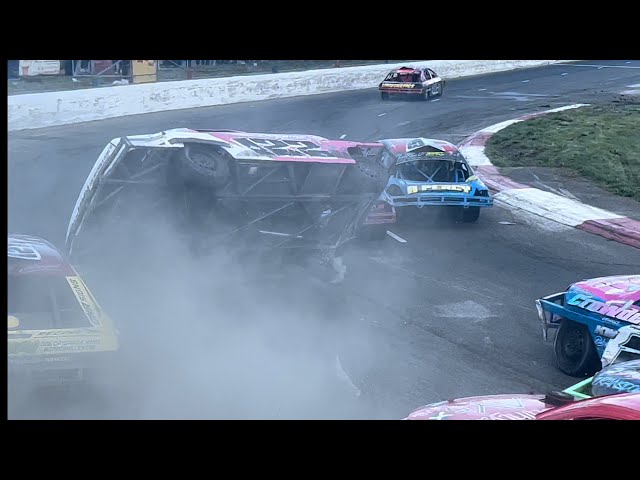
{"x": 60, "y": 370}
{"x": 420, "y": 201}
{"x": 551, "y": 311}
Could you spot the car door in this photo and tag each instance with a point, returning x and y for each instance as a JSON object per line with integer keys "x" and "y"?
{"x": 434, "y": 82}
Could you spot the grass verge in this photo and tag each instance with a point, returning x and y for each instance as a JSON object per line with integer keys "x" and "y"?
{"x": 600, "y": 142}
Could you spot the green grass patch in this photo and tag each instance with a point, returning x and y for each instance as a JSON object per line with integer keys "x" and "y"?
{"x": 600, "y": 142}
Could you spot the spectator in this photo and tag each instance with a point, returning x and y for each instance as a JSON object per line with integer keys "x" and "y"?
{"x": 125, "y": 65}
{"x": 68, "y": 67}
{"x": 14, "y": 67}
{"x": 81, "y": 66}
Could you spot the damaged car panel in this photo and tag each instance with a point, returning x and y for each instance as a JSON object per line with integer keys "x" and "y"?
{"x": 231, "y": 189}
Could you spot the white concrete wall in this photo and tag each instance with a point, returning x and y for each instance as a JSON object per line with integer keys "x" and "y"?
{"x": 35, "y": 110}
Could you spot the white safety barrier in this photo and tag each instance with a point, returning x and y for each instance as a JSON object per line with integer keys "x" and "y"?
{"x": 36, "y": 110}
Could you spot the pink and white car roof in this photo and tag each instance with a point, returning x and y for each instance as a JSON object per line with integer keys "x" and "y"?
{"x": 489, "y": 407}
{"x": 618, "y": 289}
{"x": 624, "y": 406}
{"x": 302, "y": 148}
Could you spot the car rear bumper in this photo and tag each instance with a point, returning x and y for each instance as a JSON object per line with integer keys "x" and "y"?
{"x": 385, "y": 218}
{"x": 405, "y": 91}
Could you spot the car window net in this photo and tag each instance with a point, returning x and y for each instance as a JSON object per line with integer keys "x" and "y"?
{"x": 428, "y": 171}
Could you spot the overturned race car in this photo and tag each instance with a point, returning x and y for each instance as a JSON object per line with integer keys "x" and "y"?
{"x": 57, "y": 332}
{"x": 597, "y": 322}
{"x": 243, "y": 193}
{"x": 421, "y": 83}
{"x": 428, "y": 172}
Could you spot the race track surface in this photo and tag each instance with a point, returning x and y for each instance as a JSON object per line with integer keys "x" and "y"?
{"x": 449, "y": 313}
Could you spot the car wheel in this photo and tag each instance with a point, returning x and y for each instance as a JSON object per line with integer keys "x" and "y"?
{"x": 384, "y": 95}
{"x": 436, "y": 89}
{"x": 575, "y": 351}
{"x": 205, "y": 165}
{"x": 470, "y": 214}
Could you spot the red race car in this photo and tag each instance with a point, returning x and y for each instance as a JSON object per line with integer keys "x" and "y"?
{"x": 422, "y": 82}
{"x": 624, "y": 406}
{"x": 612, "y": 394}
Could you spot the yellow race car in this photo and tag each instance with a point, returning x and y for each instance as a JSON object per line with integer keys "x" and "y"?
{"x": 57, "y": 332}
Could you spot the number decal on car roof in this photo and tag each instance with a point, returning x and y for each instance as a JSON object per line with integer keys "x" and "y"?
{"x": 22, "y": 250}
{"x": 283, "y": 148}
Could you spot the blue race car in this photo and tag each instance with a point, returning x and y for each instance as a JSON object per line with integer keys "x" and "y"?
{"x": 598, "y": 322}
{"x": 430, "y": 172}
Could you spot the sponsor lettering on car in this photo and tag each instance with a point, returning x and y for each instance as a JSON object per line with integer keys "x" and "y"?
{"x": 619, "y": 312}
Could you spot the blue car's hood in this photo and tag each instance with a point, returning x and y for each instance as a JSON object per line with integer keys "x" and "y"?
{"x": 470, "y": 186}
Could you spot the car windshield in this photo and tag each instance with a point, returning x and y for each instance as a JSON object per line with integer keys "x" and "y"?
{"x": 44, "y": 302}
{"x": 433, "y": 171}
{"x": 403, "y": 77}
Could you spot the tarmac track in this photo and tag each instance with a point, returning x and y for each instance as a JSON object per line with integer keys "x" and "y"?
{"x": 449, "y": 313}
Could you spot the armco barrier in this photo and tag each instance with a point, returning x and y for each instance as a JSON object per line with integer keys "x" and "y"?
{"x": 36, "y": 110}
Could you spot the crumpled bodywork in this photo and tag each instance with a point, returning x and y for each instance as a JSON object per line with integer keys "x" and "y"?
{"x": 232, "y": 190}
{"x": 431, "y": 172}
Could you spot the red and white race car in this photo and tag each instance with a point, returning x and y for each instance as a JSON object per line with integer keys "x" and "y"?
{"x": 416, "y": 82}
{"x": 612, "y": 394}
